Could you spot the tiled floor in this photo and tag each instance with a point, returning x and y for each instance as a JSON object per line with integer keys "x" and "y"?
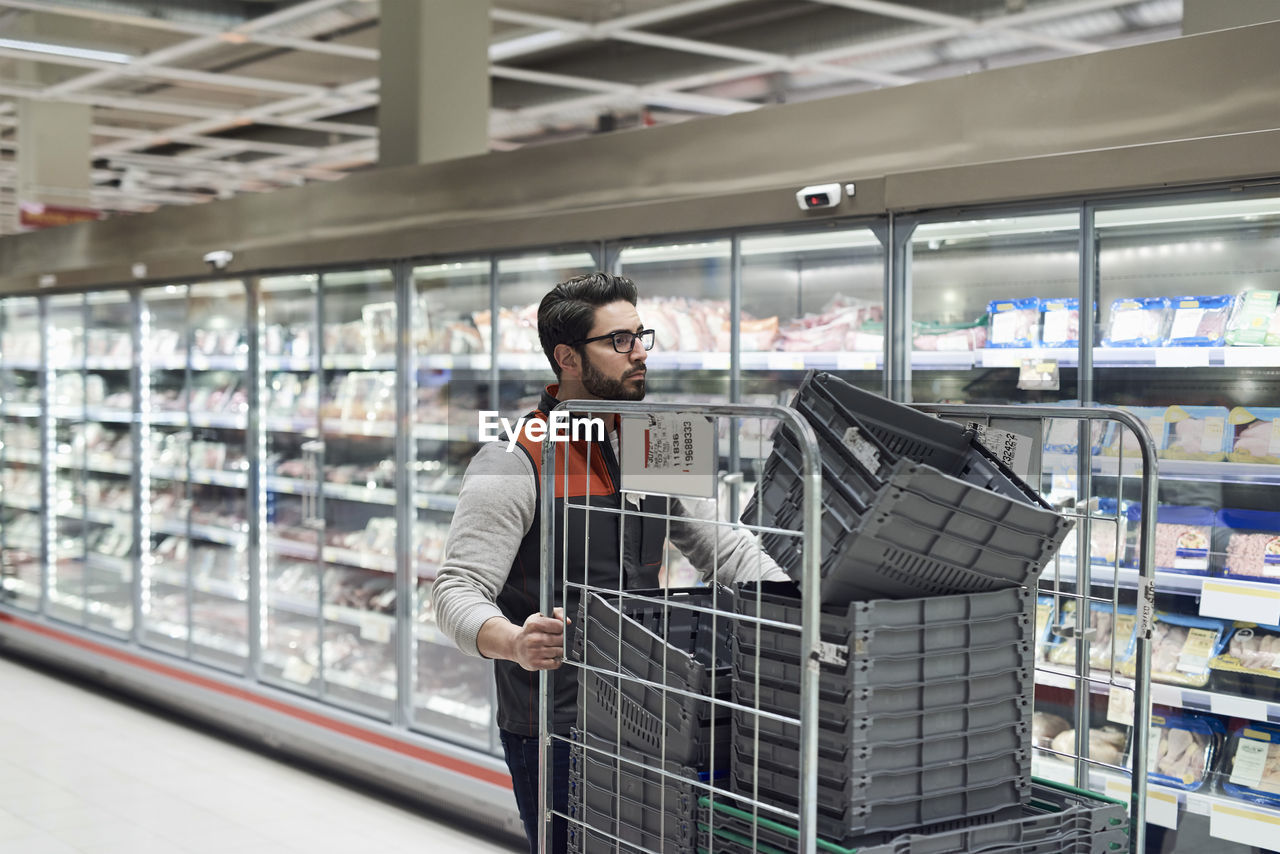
{"x": 84, "y": 773}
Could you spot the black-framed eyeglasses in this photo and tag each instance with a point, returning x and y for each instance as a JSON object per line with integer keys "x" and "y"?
{"x": 624, "y": 342}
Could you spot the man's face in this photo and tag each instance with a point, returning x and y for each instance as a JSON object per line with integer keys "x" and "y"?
{"x": 606, "y": 373}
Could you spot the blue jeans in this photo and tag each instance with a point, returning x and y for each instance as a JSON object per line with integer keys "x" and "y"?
{"x": 522, "y": 760}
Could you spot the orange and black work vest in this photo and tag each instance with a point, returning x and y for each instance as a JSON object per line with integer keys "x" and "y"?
{"x": 603, "y": 550}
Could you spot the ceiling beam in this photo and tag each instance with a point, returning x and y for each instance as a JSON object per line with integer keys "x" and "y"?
{"x": 967, "y": 26}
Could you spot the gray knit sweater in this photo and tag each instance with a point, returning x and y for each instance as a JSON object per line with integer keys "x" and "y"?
{"x": 495, "y": 509}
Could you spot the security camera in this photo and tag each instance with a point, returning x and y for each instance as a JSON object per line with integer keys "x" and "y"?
{"x": 818, "y": 196}
{"x": 219, "y": 258}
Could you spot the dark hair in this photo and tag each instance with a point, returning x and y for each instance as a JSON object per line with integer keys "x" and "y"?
{"x": 568, "y": 311}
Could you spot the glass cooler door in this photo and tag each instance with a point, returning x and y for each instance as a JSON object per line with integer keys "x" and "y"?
{"x": 291, "y": 522}
{"x": 452, "y": 692}
{"x": 106, "y": 447}
{"x": 219, "y": 472}
{"x": 991, "y": 308}
{"x": 68, "y": 581}
{"x": 21, "y": 392}
{"x": 166, "y": 582}
{"x": 358, "y": 498}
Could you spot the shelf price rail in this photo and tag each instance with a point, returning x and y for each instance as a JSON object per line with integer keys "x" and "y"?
{"x": 711, "y": 614}
{"x": 1021, "y": 432}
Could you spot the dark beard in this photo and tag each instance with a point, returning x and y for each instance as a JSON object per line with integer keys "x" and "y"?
{"x": 607, "y": 388}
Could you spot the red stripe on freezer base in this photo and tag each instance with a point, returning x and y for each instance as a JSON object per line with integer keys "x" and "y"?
{"x": 386, "y": 742}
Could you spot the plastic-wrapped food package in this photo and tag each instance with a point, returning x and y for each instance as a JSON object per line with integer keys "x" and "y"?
{"x": 949, "y": 336}
{"x": 1137, "y": 322}
{"x": 1104, "y": 545}
{"x": 1196, "y": 433}
{"x": 1062, "y": 435}
{"x": 1250, "y": 664}
{"x": 1251, "y": 316}
{"x": 1255, "y": 434}
{"x": 1273, "y": 330}
{"x": 1061, "y": 327}
{"x": 1253, "y": 764}
{"x": 1045, "y": 727}
{"x": 1183, "y": 749}
{"x": 833, "y": 328}
{"x": 1107, "y": 624}
{"x": 1106, "y": 744}
{"x": 1250, "y": 543}
{"x": 1184, "y": 536}
{"x": 1013, "y": 323}
{"x": 1199, "y": 321}
{"x": 1152, "y": 416}
{"x": 1181, "y": 647}
{"x": 1044, "y": 622}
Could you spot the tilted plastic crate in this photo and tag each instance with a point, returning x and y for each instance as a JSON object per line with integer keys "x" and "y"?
{"x": 911, "y": 434}
{"x": 643, "y": 645}
{"x": 883, "y": 552}
{"x": 1055, "y": 818}
{"x": 910, "y": 799}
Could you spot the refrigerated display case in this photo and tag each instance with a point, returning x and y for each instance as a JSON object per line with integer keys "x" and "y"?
{"x": 452, "y": 380}
{"x": 22, "y": 454}
{"x": 329, "y": 506}
{"x": 196, "y": 448}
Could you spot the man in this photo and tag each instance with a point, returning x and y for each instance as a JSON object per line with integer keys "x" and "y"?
{"x": 486, "y": 596}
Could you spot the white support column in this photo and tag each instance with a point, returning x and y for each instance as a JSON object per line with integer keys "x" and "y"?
{"x": 1202, "y": 16}
{"x": 53, "y": 153}
{"x": 434, "y": 70}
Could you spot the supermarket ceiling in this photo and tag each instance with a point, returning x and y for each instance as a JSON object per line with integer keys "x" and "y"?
{"x": 194, "y": 100}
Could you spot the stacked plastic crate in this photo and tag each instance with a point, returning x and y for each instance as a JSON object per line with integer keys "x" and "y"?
{"x": 639, "y": 748}
{"x": 930, "y": 553}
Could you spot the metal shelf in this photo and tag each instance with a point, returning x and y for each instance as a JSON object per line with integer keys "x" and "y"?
{"x": 353, "y": 362}
{"x": 1190, "y": 470}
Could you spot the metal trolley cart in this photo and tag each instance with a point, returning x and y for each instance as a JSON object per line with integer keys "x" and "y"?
{"x": 750, "y": 718}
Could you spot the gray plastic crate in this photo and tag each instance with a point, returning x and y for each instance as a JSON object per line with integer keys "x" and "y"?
{"x": 880, "y": 555}
{"x": 871, "y": 755}
{"x": 898, "y": 671}
{"x": 883, "y": 626}
{"x": 664, "y": 644}
{"x": 914, "y": 435}
{"x": 880, "y": 740}
{"x": 843, "y": 810}
{"x": 1055, "y": 818}
{"x": 599, "y": 765}
{"x": 839, "y": 700}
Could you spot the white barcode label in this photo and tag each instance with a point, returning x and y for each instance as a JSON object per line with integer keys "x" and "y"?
{"x": 1250, "y": 760}
{"x": 862, "y": 449}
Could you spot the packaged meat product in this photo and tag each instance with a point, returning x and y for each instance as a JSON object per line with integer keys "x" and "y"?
{"x": 1106, "y": 744}
{"x": 1046, "y": 727}
{"x": 1196, "y": 433}
{"x": 1199, "y": 321}
{"x": 1255, "y": 435}
{"x": 1273, "y": 330}
{"x": 1184, "y": 536}
{"x": 1251, "y": 316}
{"x": 1181, "y": 647}
{"x": 1253, "y": 763}
{"x": 1061, "y": 325}
{"x": 1044, "y": 622}
{"x": 1014, "y": 323}
{"x": 1152, "y": 416}
{"x": 1250, "y": 664}
{"x": 1137, "y": 322}
{"x": 1183, "y": 749}
{"x": 1250, "y": 543}
{"x": 948, "y": 336}
{"x": 1107, "y": 542}
{"x": 1107, "y": 624}
{"x": 1062, "y": 435}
